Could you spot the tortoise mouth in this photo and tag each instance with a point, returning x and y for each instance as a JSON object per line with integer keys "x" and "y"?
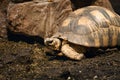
{"x": 53, "y": 43}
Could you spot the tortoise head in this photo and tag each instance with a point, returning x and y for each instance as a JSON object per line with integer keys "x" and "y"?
{"x": 53, "y": 43}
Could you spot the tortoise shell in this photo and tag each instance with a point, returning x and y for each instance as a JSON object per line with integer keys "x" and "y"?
{"x": 91, "y": 26}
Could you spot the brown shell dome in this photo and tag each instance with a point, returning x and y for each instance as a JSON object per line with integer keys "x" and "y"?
{"x": 91, "y": 26}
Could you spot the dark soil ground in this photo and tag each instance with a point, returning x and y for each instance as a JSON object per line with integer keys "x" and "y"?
{"x": 23, "y": 61}
{"x": 20, "y": 60}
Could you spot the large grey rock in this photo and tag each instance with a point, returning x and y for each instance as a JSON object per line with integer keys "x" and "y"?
{"x": 38, "y": 18}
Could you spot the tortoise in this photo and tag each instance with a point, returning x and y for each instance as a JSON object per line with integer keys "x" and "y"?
{"x": 86, "y": 28}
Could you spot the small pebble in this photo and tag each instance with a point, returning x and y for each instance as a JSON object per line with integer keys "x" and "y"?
{"x": 95, "y": 77}
{"x": 69, "y": 78}
{"x": 80, "y": 71}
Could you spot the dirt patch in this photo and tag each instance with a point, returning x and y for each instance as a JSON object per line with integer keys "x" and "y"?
{"x": 23, "y": 61}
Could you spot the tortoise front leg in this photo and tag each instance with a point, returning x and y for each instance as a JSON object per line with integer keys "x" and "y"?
{"x": 71, "y": 53}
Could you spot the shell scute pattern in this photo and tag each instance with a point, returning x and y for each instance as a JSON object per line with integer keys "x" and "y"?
{"x": 92, "y": 27}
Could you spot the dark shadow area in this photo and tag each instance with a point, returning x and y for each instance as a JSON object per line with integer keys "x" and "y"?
{"x": 116, "y": 5}
{"x": 81, "y": 3}
{"x": 21, "y": 37}
{"x": 20, "y": 1}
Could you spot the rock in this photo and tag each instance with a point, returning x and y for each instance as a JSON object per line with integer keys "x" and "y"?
{"x": 38, "y": 18}
{"x": 103, "y": 3}
{"x": 3, "y": 25}
{"x": 4, "y": 4}
{"x": 3, "y": 21}
{"x": 82, "y": 3}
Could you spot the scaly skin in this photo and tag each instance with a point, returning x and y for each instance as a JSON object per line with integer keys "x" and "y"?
{"x": 71, "y": 53}
{"x": 69, "y": 50}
